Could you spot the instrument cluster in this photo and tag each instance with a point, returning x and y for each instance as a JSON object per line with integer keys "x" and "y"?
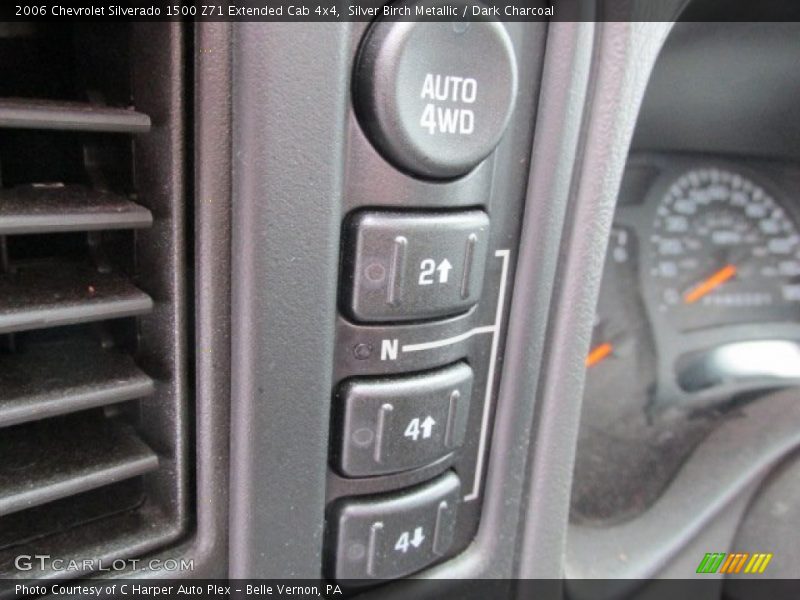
{"x": 699, "y": 310}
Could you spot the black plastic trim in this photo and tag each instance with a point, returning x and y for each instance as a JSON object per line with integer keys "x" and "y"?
{"x": 287, "y": 200}
{"x": 206, "y": 539}
{"x": 68, "y": 463}
{"x": 71, "y": 116}
{"x": 48, "y": 209}
{"x": 34, "y": 298}
{"x": 59, "y": 378}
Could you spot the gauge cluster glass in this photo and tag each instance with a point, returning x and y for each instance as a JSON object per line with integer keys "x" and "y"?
{"x": 722, "y": 250}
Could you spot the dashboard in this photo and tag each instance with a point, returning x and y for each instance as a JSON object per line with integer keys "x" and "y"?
{"x": 463, "y": 308}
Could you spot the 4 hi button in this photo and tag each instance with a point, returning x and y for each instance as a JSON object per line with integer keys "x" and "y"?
{"x": 435, "y": 96}
{"x": 403, "y": 422}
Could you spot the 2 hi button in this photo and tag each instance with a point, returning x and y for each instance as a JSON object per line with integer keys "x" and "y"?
{"x": 435, "y": 97}
{"x": 406, "y": 266}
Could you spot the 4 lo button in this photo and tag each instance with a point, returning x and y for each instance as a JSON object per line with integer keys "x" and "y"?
{"x": 393, "y": 535}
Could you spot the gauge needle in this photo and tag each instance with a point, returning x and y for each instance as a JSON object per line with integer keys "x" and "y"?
{"x": 598, "y": 354}
{"x": 709, "y": 285}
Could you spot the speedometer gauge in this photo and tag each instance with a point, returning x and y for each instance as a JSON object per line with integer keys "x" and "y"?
{"x": 722, "y": 250}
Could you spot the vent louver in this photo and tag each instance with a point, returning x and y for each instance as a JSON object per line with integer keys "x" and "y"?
{"x": 92, "y": 355}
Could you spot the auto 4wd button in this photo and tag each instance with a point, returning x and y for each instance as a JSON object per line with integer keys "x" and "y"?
{"x": 435, "y": 96}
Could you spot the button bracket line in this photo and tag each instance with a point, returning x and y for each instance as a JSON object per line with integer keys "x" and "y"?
{"x": 498, "y": 319}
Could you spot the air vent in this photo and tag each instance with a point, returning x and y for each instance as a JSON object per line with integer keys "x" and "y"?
{"x": 92, "y": 349}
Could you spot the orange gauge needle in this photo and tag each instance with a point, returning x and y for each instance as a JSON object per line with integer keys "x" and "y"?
{"x": 598, "y": 354}
{"x": 709, "y": 285}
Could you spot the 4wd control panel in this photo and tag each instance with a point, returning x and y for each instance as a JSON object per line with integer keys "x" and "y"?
{"x": 441, "y": 123}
